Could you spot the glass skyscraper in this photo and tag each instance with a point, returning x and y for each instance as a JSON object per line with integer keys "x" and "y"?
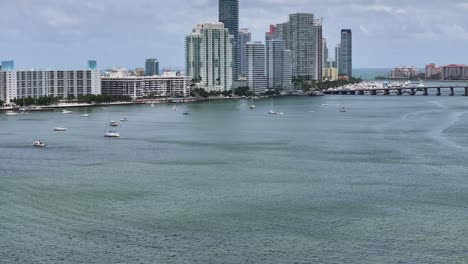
{"x": 92, "y": 64}
{"x": 229, "y": 15}
{"x": 152, "y": 67}
{"x": 8, "y": 65}
{"x": 244, "y": 37}
{"x": 346, "y": 53}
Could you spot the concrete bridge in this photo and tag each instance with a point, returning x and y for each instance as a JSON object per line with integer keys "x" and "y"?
{"x": 400, "y": 90}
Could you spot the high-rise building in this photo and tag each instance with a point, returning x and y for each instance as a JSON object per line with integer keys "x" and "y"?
{"x": 271, "y": 34}
{"x": 244, "y": 37}
{"x": 346, "y": 55}
{"x": 256, "y": 68}
{"x": 301, "y": 33}
{"x": 337, "y": 63}
{"x": 152, "y": 67}
{"x": 279, "y": 65}
{"x": 319, "y": 56}
{"x": 325, "y": 53}
{"x": 209, "y": 56}
{"x": 8, "y": 65}
{"x": 92, "y": 64}
{"x": 229, "y": 16}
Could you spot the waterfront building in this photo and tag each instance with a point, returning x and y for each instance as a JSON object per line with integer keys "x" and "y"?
{"x": 168, "y": 84}
{"x": 330, "y": 74}
{"x": 209, "y": 56}
{"x": 319, "y": 56}
{"x": 8, "y": 86}
{"x": 432, "y": 71}
{"x": 8, "y": 65}
{"x": 279, "y": 65}
{"x": 404, "y": 72}
{"x": 346, "y": 53}
{"x": 152, "y": 67}
{"x": 58, "y": 83}
{"x": 139, "y": 72}
{"x": 301, "y": 34}
{"x": 455, "y": 72}
{"x": 229, "y": 16}
{"x": 244, "y": 37}
{"x": 256, "y": 68}
{"x": 92, "y": 64}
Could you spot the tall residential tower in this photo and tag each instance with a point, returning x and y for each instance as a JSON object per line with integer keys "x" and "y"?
{"x": 244, "y": 37}
{"x": 346, "y": 53}
{"x": 209, "y": 56}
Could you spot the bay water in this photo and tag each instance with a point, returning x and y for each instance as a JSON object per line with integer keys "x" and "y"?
{"x": 385, "y": 182}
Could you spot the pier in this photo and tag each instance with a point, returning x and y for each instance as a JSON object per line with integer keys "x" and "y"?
{"x": 400, "y": 91}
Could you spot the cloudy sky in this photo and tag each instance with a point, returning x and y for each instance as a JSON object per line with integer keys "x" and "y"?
{"x": 66, "y": 33}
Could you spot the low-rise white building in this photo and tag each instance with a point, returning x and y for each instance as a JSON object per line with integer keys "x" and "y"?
{"x": 38, "y": 83}
{"x": 168, "y": 84}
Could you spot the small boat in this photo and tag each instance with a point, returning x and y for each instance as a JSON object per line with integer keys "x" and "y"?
{"x": 325, "y": 105}
{"x": 85, "y": 115}
{"x": 112, "y": 134}
{"x": 124, "y": 119}
{"x": 104, "y": 108}
{"x": 60, "y": 129}
{"x": 186, "y": 114}
{"x": 152, "y": 105}
{"x": 281, "y": 113}
{"x": 11, "y": 113}
{"x": 66, "y": 112}
{"x": 272, "y": 112}
{"x": 174, "y": 108}
{"x": 252, "y": 104}
{"x": 39, "y": 144}
{"x": 113, "y": 124}
{"x": 342, "y": 109}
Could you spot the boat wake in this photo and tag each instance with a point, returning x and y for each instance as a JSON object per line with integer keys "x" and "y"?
{"x": 438, "y": 133}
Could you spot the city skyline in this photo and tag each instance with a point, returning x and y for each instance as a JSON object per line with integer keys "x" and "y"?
{"x": 63, "y": 34}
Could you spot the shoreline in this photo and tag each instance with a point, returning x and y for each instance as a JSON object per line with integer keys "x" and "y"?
{"x": 41, "y": 108}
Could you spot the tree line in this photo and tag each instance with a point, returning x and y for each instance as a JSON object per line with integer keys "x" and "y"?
{"x": 88, "y": 99}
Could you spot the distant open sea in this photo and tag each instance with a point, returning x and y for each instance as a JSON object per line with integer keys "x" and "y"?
{"x": 368, "y": 74}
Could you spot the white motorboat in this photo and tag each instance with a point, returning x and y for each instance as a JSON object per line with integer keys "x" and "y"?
{"x": 39, "y": 144}
{"x": 11, "y": 113}
{"x": 152, "y": 105}
{"x": 85, "y": 115}
{"x": 112, "y": 134}
{"x": 60, "y": 129}
{"x": 113, "y": 124}
{"x": 252, "y": 106}
{"x": 124, "y": 119}
{"x": 342, "y": 109}
{"x": 174, "y": 108}
{"x": 66, "y": 112}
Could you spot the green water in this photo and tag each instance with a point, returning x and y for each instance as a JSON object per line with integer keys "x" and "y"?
{"x": 386, "y": 182}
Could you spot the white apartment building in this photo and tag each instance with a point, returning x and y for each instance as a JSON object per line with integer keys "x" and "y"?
{"x": 209, "y": 56}
{"x": 256, "y": 67}
{"x": 37, "y": 83}
{"x": 168, "y": 84}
